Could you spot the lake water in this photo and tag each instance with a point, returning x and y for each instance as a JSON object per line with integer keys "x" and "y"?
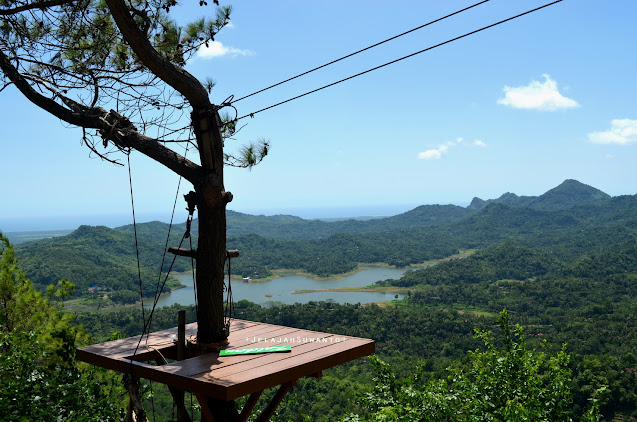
{"x": 280, "y": 289}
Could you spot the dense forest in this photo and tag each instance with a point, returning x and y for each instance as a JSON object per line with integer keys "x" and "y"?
{"x": 569, "y": 221}
{"x": 563, "y": 265}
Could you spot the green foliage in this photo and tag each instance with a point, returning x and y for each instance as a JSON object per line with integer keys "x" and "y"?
{"x": 499, "y": 383}
{"x": 22, "y": 308}
{"x": 39, "y": 377}
{"x": 101, "y": 257}
{"x": 41, "y": 386}
{"x": 505, "y": 261}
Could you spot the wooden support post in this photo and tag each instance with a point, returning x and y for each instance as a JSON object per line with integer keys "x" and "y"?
{"x": 182, "y": 414}
{"x": 136, "y": 410}
{"x": 206, "y": 413}
{"x": 181, "y": 334}
{"x": 183, "y": 252}
{"x": 249, "y": 406}
{"x": 267, "y": 413}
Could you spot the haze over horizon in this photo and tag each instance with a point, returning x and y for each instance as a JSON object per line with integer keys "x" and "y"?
{"x": 71, "y": 222}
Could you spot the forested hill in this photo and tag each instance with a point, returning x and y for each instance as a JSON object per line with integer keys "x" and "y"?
{"x": 286, "y": 227}
{"x": 99, "y": 256}
{"x": 568, "y": 194}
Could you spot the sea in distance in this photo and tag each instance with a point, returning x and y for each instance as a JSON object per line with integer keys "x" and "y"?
{"x": 281, "y": 289}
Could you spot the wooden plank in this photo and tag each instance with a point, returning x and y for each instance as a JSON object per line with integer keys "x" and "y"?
{"x": 306, "y": 364}
{"x": 213, "y": 362}
{"x": 125, "y": 348}
{"x": 230, "y": 377}
{"x": 253, "y": 363}
{"x": 230, "y": 388}
{"x": 276, "y": 373}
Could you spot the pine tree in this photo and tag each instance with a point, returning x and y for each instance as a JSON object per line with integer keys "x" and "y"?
{"x": 115, "y": 68}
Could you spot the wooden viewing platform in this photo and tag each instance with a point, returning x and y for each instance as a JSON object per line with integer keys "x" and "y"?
{"x": 229, "y": 377}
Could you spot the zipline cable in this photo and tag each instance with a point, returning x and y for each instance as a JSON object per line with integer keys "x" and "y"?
{"x": 362, "y": 50}
{"x": 400, "y": 59}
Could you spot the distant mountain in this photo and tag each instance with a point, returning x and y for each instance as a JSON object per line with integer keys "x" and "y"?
{"x": 568, "y": 194}
{"x": 287, "y": 227}
{"x": 571, "y": 220}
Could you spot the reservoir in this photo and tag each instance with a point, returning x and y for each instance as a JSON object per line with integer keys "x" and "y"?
{"x": 280, "y": 290}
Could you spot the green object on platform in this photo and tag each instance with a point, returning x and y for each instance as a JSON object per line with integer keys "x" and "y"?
{"x": 255, "y": 350}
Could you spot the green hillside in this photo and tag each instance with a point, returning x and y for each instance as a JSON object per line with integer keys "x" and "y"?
{"x": 99, "y": 256}
{"x": 568, "y": 194}
{"x": 96, "y": 256}
{"x": 286, "y": 227}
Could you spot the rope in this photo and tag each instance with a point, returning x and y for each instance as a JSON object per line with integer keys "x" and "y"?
{"x": 172, "y": 216}
{"x": 229, "y": 311}
{"x": 139, "y": 277}
{"x": 150, "y": 317}
{"x": 194, "y": 279}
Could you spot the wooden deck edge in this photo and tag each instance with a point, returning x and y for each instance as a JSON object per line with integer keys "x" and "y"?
{"x": 308, "y": 369}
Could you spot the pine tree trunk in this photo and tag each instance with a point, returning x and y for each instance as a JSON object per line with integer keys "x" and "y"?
{"x": 211, "y": 258}
{"x": 211, "y": 250}
{"x": 211, "y": 202}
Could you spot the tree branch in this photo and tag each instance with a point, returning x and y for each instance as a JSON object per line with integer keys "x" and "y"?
{"x": 178, "y": 78}
{"x": 111, "y": 125}
{"x": 31, "y": 6}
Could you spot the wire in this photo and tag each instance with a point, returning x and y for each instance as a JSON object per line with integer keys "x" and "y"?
{"x": 194, "y": 277}
{"x": 150, "y": 317}
{"x": 172, "y": 216}
{"x": 402, "y": 58}
{"x": 139, "y": 271}
{"x": 364, "y": 49}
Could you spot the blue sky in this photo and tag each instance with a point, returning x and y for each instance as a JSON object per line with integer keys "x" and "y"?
{"x": 519, "y": 107}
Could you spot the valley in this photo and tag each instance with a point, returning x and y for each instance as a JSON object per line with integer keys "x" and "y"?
{"x": 563, "y": 265}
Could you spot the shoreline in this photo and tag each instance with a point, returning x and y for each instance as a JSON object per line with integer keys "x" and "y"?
{"x": 364, "y": 289}
{"x": 361, "y": 266}
{"x": 278, "y": 273}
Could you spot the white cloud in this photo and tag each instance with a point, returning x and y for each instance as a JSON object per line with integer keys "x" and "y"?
{"x": 437, "y": 153}
{"x": 431, "y": 154}
{"x": 537, "y": 95}
{"x": 622, "y": 132}
{"x": 217, "y": 49}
